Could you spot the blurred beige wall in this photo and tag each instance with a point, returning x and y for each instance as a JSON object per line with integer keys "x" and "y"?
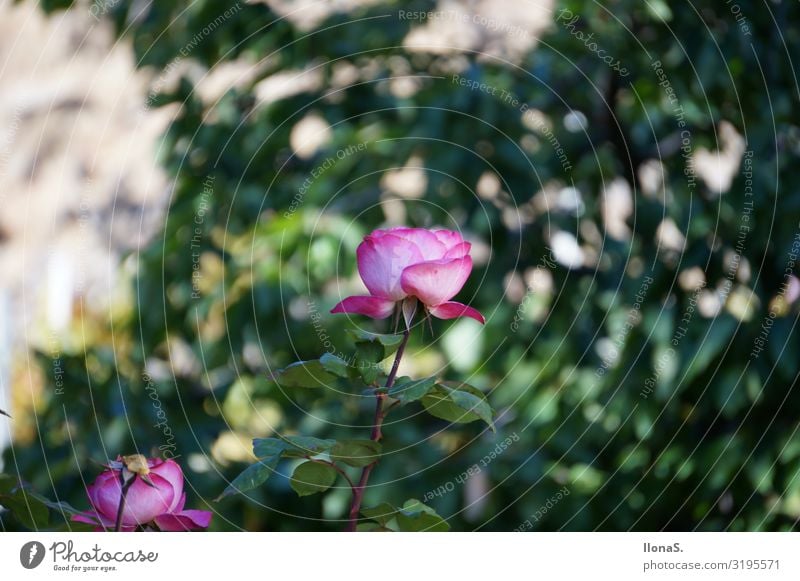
{"x": 79, "y": 185}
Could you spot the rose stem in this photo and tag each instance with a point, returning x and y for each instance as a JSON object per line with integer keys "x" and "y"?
{"x": 377, "y": 434}
{"x": 124, "y": 492}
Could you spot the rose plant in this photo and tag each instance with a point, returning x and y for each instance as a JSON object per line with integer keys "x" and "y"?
{"x": 411, "y": 273}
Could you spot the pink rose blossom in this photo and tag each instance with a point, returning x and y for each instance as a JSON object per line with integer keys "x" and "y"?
{"x": 160, "y": 505}
{"x": 406, "y": 264}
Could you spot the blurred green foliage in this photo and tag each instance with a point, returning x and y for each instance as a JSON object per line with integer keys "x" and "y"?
{"x": 714, "y": 445}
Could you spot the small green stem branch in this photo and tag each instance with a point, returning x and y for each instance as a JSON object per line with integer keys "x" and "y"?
{"x": 125, "y": 485}
{"x": 377, "y": 434}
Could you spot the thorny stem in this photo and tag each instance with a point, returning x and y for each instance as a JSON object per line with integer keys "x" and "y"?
{"x": 124, "y": 493}
{"x": 377, "y": 434}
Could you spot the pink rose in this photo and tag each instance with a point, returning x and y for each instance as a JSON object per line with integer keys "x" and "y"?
{"x": 160, "y": 505}
{"x": 429, "y": 265}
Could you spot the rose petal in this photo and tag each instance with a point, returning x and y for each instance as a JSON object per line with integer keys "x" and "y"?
{"x": 84, "y": 517}
{"x": 87, "y": 517}
{"x": 143, "y": 503}
{"x": 381, "y": 260}
{"x": 436, "y": 281}
{"x": 104, "y": 494}
{"x": 171, "y": 472}
{"x": 101, "y": 524}
{"x": 426, "y": 241}
{"x": 187, "y": 520}
{"x": 453, "y": 310}
{"x": 180, "y": 504}
{"x": 374, "y": 307}
{"x": 449, "y": 238}
{"x": 459, "y": 250}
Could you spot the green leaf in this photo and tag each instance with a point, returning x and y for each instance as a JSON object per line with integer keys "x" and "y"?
{"x": 368, "y": 357}
{"x": 290, "y": 446}
{"x": 8, "y": 483}
{"x": 371, "y": 349}
{"x": 373, "y": 527}
{"x": 334, "y": 364}
{"x": 27, "y": 509}
{"x": 369, "y": 374}
{"x": 477, "y": 405}
{"x": 461, "y": 386}
{"x": 369, "y": 353}
{"x": 382, "y": 513}
{"x": 253, "y": 476}
{"x": 459, "y": 403}
{"x": 301, "y": 446}
{"x": 390, "y": 343}
{"x": 267, "y": 447}
{"x": 416, "y": 517}
{"x": 412, "y": 390}
{"x": 312, "y": 477}
{"x": 356, "y": 452}
{"x": 310, "y": 374}
{"x": 61, "y": 507}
